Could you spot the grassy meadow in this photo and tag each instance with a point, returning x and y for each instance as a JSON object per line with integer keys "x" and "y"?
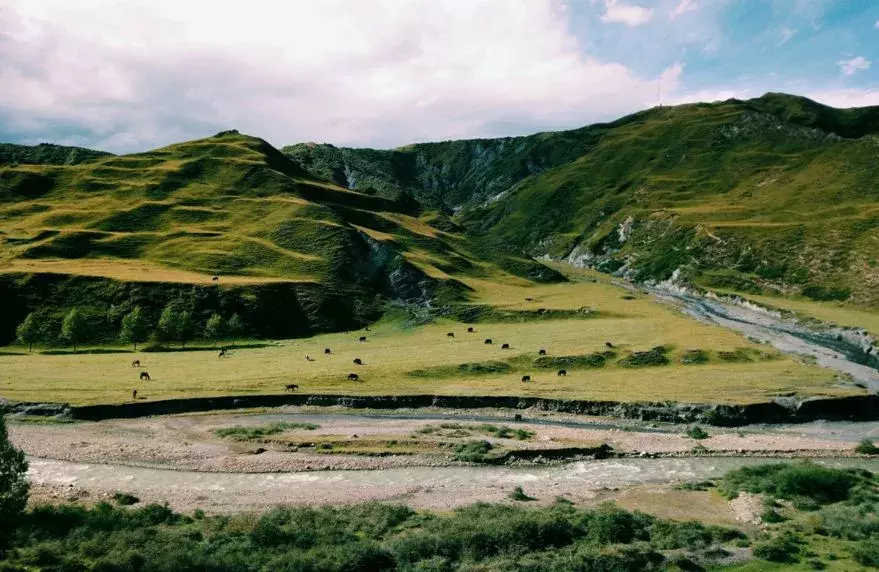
{"x": 422, "y": 360}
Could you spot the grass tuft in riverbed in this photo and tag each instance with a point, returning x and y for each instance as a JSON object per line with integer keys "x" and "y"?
{"x": 252, "y": 433}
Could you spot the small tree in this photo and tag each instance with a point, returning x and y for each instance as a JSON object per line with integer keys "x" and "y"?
{"x": 13, "y": 483}
{"x": 134, "y": 327}
{"x": 74, "y": 328}
{"x": 214, "y": 328}
{"x": 235, "y": 328}
{"x": 185, "y": 327}
{"x": 168, "y": 324}
{"x": 28, "y": 331}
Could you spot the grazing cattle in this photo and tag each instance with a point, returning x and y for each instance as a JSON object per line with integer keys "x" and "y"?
{"x": 529, "y": 299}
{"x": 353, "y": 377}
{"x": 215, "y": 279}
{"x": 358, "y": 361}
{"x": 308, "y": 358}
{"x": 221, "y": 354}
{"x": 526, "y": 378}
{"x": 327, "y": 351}
{"x": 144, "y": 376}
{"x": 470, "y": 330}
{"x": 133, "y": 394}
{"x": 517, "y": 417}
{"x": 135, "y": 363}
{"x": 562, "y": 373}
{"x": 542, "y": 352}
{"x": 291, "y": 387}
{"x": 608, "y": 344}
{"x": 488, "y": 341}
{"x": 505, "y": 347}
{"x": 362, "y": 338}
{"x": 450, "y": 335}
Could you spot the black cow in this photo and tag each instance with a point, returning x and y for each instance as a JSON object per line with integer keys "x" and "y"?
{"x": 488, "y": 341}
{"x": 327, "y": 351}
{"x": 526, "y": 378}
{"x": 450, "y": 335}
{"x": 358, "y": 361}
{"x": 608, "y": 344}
{"x": 144, "y": 376}
{"x": 133, "y": 394}
{"x": 562, "y": 373}
{"x": 470, "y": 330}
{"x": 542, "y": 352}
{"x": 353, "y": 377}
{"x": 135, "y": 363}
{"x": 215, "y": 279}
{"x": 221, "y": 354}
{"x": 505, "y": 347}
{"x": 291, "y": 387}
{"x": 517, "y": 417}
{"x": 362, "y": 338}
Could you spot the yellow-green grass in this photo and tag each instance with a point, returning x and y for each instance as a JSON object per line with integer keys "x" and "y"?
{"x": 392, "y": 350}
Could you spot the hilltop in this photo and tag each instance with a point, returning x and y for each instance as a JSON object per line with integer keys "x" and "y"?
{"x": 293, "y": 253}
{"x": 774, "y": 195}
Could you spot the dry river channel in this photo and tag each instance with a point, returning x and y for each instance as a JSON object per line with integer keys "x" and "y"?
{"x": 180, "y": 460}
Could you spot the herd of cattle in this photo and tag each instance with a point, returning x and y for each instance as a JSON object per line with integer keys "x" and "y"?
{"x": 290, "y": 387}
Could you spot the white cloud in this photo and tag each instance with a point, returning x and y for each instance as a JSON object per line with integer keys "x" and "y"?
{"x": 617, "y": 12}
{"x": 683, "y": 7}
{"x": 853, "y": 65}
{"x": 785, "y": 35}
{"x": 844, "y": 98}
{"x": 877, "y": 25}
{"x": 129, "y": 76}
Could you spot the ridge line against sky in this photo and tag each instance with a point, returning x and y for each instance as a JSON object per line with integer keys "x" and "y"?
{"x": 128, "y": 76}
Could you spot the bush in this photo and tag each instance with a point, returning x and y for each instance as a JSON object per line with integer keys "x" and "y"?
{"x": 125, "y": 499}
{"x": 866, "y": 447}
{"x": 473, "y": 451}
{"x": 866, "y": 553}
{"x": 790, "y": 481}
{"x": 823, "y": 293}
{"x": 782, "y": 548}
{"x": 239, "y": 433}
{"x": 517, "y": 494}
{"x": 652, "y": 358}
{"x": 696, "y": 432}
{"x": 13, "y": 483}
{"x": 694, "y": 357}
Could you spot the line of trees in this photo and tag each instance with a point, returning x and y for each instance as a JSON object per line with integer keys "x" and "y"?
{"x": 174, "y": 325}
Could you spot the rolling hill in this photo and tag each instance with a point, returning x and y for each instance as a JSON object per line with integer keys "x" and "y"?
{"x": 293, "y": 253}
{"x": 774, "y": 195}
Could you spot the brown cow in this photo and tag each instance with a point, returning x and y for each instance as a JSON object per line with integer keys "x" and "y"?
{"x": 291, "y": 387}
{"x": 135, "y": 363}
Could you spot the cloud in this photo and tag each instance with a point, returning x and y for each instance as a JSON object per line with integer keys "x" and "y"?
{"x": 844, "y": 98}
{"x": 853, "y": 65}
{"x": 128, "y": 76}
{"x": 877, "y": 25}
{"x": 683, "y": 7}
{"x": 786, "y": 34}
{"x": 617, "y": 12}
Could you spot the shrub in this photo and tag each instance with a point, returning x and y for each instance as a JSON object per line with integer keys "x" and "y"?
{"x": 866, "y": 447}
{"x": 473, "y": 451}
{"x": 650, "y": 358}
{"x": 13, "y": 482}
{"x": 239, "y": 433}
{"x": 696, "y": 432}
{"x": 789, "y": 481}
{"x": 866, "y": 553}
{"x": 517, "y": 494}
{"x": 781, "y": 548}
{"x": 125, "y": 499}
{"x": 694, "y": 357}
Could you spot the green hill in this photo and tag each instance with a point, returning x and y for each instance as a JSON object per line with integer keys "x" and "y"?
{"x": 47, "y": 154}
{"x": 775, "y": 195}
{"x": 293, "y": 253}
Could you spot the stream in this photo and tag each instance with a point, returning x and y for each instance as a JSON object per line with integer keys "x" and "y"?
{"x": 832, "y": 347}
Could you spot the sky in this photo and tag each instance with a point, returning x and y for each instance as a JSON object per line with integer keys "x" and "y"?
{"x": 130, "y": 75}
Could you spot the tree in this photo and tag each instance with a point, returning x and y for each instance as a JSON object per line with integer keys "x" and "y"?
{"x": 74, "y": 328}
{"x": 235, "y": 327}
{"x": 214, "y": 328}
{"x": 185, "y": 327}
{"x": 134, "y": 327}
{"x": 168, "y": 324}
{"x": 28, "y": 331}
{"x": 13, "y": 483}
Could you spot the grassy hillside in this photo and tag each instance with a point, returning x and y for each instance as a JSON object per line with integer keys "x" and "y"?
{"x": 47, "y": 154}
{"x": 775, "y": 195}
{"x": 230, "y": 206}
